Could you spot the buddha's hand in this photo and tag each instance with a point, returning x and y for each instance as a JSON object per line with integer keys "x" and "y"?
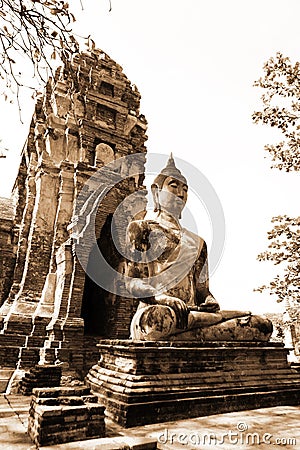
{"x": 210, "y": 305}
{"x": 179, "y": 307}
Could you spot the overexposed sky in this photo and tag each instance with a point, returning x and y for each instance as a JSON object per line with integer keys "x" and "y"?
{"x": 194, "y": 63}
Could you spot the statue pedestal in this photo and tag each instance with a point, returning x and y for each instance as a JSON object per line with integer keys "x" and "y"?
{"x": 148, "y": 382}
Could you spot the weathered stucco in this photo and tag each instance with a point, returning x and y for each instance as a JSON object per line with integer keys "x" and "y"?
{"x": 88, "y": 116}
{"x": 7, "y": 254}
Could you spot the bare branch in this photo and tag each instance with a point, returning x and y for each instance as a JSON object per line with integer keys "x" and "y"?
{"x": 36, "y": 29}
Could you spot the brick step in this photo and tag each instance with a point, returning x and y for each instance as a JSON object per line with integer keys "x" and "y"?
{"x": 164, "y": 391}
{"x": 18, "y": 327}
{"x": 296, "y": 366}
{"x": 161, "y": 394}
{"x": 66, "y": 400}
{"x": 77, "y": 391}
{"x": 61, "y": 415}
{"x": 14, "y": 340}
{"x": 66, "y": 344}
{"x": 177, "y": 381}
{"x": 130, "y": 415}
{"x": 29, "y": 357}
{"x": 171, "y": 366}
{"x": 9, "y": 356}
{"x": 5, "y": 375}
{"x": 35, "y": 341}
{"x": 40, "y": 376}
{"x": 253, "y": 370}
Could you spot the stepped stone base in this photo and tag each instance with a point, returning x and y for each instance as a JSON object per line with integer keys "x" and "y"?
{"x": 21, "y": 350}
{"x": 148, "y": 382}
{"x": 28, "y": 352}
{"x": 40, "y": 376}
{"x": 5, "y": 375}
{"x": 60, "y": 415}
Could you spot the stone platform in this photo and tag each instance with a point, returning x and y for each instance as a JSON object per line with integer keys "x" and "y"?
{"x": 64, "y": 414}
{"x": 149, "y": 382}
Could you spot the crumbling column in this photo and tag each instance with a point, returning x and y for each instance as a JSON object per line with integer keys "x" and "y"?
{"x": 79, "y": 125}
{"x": 65, "y": 330}
{"x": 30, "y": 187}
{"x": 45, "y": 309}
{"x": 7, "y": 256}
{"x": 38, "y": 253}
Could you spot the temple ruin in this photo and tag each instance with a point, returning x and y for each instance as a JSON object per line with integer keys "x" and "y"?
{"x": 82, "y": 166}
{"x": 51, "y": 311}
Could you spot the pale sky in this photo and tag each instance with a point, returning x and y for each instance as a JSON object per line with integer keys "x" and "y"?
{"x": 194, "y": 63}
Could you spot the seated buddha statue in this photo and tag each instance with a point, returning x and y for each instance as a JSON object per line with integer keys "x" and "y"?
{"x": 168, "y": 272}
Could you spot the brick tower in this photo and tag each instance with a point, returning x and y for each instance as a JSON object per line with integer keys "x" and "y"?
{"x": 88, "y": 117}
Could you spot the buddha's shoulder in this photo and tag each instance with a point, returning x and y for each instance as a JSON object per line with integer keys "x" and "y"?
{"x": 193, "y": 235}
{"x": 198, "y": 240}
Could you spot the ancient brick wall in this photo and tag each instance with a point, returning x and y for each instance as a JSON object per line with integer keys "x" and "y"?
{"x": 88, "y": 117}
{"x": 7, "y": 254}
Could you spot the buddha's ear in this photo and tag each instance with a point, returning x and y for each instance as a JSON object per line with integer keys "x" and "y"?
{"x": 154, "y": 190}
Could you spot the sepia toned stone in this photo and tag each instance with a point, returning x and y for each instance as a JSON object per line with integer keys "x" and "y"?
{"x": 57, "y": 416}
{"x": 76, "y": 129}
{"x": 168, "y": 271}
{"x": 186, "y": 357}
{"x": 143, "y": 382}
{"x": 7, "y": 253}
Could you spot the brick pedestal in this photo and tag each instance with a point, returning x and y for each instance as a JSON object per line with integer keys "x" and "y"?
{"x": 40, "y": 376}
{"x": 148, "y": 382}
{"x": 59, "y": 415}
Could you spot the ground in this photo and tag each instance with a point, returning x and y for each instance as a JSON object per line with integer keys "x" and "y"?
{"x": 277, "y": 426}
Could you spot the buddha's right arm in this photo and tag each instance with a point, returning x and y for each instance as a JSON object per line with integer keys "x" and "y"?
{"x": 137, "y": 272}
{"x": 138, "y": 285}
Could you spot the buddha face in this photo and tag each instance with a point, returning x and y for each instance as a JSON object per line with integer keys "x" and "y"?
{"x": 172, "y": 196}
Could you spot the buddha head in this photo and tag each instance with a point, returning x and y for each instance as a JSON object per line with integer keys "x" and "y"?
{"x": 169, "y": 190}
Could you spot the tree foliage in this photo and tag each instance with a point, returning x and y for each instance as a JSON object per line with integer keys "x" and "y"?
{"x": 281, "y": 109}
{"x": 284, "y": 249}
{"x": 38, "y": 29}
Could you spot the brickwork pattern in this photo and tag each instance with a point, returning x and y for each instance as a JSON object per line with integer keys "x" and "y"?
{"x": 63, "y": 415}
{"x": 149, "y": 382}
{"x": 7, "y": 256}
{"x": 88, "y": 116}
{"x": 39, "y": 377}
